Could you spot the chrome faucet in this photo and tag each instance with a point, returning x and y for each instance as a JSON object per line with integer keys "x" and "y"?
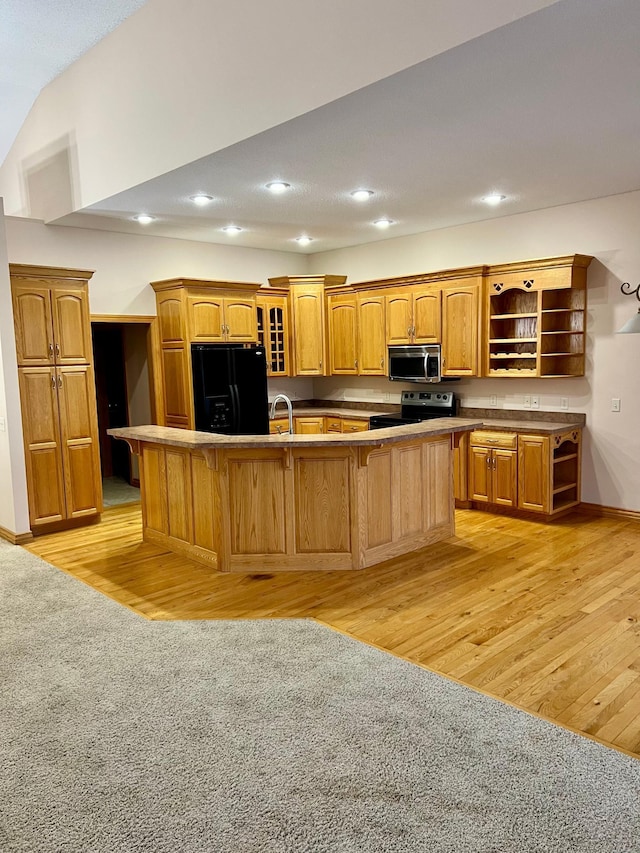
{"x": 275, "y": 402}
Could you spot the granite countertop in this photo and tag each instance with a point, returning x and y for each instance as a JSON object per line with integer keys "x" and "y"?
{"x": 192, "y": 440}
{"x": 535, "y": 427}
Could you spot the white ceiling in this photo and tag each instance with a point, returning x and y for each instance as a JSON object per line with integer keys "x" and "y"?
{"x": 545, "y": 110}
{"x": 38, "y": 40}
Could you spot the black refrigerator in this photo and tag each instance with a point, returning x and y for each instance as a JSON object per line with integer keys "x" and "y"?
{"x": 230, "y": 389}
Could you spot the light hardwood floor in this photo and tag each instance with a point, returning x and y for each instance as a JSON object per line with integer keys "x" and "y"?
{"x": 544, "y": 616}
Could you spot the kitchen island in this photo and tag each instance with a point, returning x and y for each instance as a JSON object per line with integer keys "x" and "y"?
{"x": 259, "y": 503}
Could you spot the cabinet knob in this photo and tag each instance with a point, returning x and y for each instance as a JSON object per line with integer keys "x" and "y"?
{"x": 57, "y": 349}
{"x": 50, "y": 350}
{"x": 53, "y": 382}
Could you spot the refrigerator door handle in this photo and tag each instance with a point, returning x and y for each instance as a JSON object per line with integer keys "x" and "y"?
{"x": 235, "y": 403}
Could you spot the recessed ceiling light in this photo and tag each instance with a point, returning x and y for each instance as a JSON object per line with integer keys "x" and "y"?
{"x": 493, "y": 198}
{"x": 362, "y": 195}
{"x": 278, "y": 187}
{"x": 232, "y": 229}
{"x": 201, "y": 199}
{"x": 144, "y": 218}
{"x": 303, "y": 240}
{"x": 383, "y": 223}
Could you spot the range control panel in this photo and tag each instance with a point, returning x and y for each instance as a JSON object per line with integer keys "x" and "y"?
{"x": 435, "y": 399}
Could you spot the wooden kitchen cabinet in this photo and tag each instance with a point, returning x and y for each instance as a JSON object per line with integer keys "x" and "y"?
{"x": 308, "y": 425}
{"x": 413, "y": 316}
{"x": 460, "y": 329}
{"x": 342, "y": 313}
{"x": 52, "y": 322}
{"x": 493, "y": 468}
{"x": 372, "y": 342}
{"x": 279, "y": 426}
{"x": 309, "y": 322}
{"x": 534, "y": 473}
{"x": 536, "y": 317}
{"x": 345, "y": 425}
{"x": 57, "y": 394}
{"x": 197, "y": 311}
{"x": 272, "y": 310}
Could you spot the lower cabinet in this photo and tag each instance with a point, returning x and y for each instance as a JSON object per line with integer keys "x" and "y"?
{"x": 308, "y": 426}
{"x": 60, "y": 439}
{"x": 534, "y": 473}
{"x": 493, "y": 468}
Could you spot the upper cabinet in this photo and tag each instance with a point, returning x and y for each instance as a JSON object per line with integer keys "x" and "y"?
{"x": 309, "y": 320}
{"x": 197, "y": 311}
{"x": 343, "y": 334}
{"x": 413, "y": 315}
{"x": 536, "y": 317}
{"x": 461, "y": 328}
{"x": 372, "y": 344}
{"x": 51, "y": 316}
{"x": 272, "y": 310}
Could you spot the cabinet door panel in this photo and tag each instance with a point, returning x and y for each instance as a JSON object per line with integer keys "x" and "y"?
{"x": 43, "y": 456}
{"x": 206, "y": 319}
{"x": 480, "y": 474}
{"x": 505, "y": 483}
{"x": 170, "y": 319}
{"x": 343, "y": 335}
{"x": 533, "y": 473}
{"x": 240, "y": 319}
{"x": 372, "y": 345}
{"x": 34, "y": 325}
{"x": 308, "y": 322}
{"x": 426, "y": 316}
{"x": 177, "y": 388}
{"x": 399, "y": 318}
{"x": 308, "y": 426}
{"x": 460, "y": 312}
{"x": 72, "y": 326}
{"x": 79, "y": 430}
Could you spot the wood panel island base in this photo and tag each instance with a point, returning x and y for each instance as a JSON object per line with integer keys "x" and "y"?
{"x": 297, "y": 503}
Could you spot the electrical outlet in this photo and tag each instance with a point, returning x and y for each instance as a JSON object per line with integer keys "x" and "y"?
{"x": 564, "y": 403}
{"x": 494, "y": 400}
{"x": 615, "y": 404}
{"x": 535, "y": 402}
{"x": 386, "y": 396}
{"x": 527, "y": 402}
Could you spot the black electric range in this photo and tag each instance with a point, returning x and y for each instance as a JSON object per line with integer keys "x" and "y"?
{"x": 418, "y": 406}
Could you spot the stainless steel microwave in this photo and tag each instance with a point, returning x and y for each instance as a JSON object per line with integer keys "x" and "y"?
{"x": 415, "y": 363}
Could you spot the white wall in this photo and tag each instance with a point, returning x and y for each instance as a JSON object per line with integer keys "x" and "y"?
{"x": 14, "y": 509}
{"x": 608, "y": 229}
{"x": 124, "y": 264}
{"x": 187, "y": 79}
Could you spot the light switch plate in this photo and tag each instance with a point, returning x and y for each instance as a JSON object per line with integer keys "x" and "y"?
{"x": 564, "y": 403}
{"x": 527, "y": 402}
{"x": 535, "y": 402}
{"x": 494, "y": 400}
{"x": 615, "y": 404}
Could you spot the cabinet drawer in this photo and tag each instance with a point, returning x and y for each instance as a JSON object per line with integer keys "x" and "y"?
{"x": 333, "y": 424}
{"x": 278, "y": 426}
{"x": 485, "y": 438}
{"x": 354, "y": 425}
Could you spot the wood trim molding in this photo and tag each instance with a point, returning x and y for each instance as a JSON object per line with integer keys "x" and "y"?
{"x": 608, "y": 511}
{"x": 31, "y": 271}
{"x": 143, "y": 319}
{"x": 541, "y": 263}
{"x": 15, "y": 538}
{"x": 204, "y": 284}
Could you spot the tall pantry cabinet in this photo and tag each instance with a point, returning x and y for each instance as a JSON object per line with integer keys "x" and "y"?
{"x": 57, "y": 393}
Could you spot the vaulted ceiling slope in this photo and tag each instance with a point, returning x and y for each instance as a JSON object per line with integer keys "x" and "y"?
{"x": 179, "y": 81}
{"x": 430, "y": 105}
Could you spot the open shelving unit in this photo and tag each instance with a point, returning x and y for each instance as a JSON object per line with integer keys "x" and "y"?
{"x": 536, "y": 318}
{"x": 565, "y": 486}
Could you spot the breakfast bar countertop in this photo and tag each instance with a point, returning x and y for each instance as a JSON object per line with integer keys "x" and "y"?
{"x": 192, "y": 440}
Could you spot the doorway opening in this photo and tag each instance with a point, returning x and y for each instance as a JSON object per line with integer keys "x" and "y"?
{"x": 122, "y": 352}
